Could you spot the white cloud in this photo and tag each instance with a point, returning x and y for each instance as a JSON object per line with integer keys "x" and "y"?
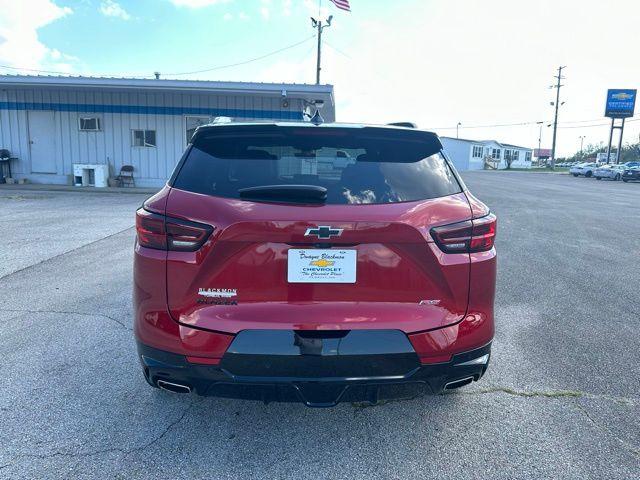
{"x": 243, "y": 16}
{"x": 312, "y": 9}
{"x": 265, "y": 9}
{"x": 227, "y": 17}
{"x": 19, "y": 42}
{"x": 196, "y": 3}
{"x": 286, "y": 8}
{"x": 110, "y": 8}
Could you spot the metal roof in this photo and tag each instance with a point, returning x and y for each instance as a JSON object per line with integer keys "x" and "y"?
{"x": 297, "y": 89}
{"x": 484, "y": 142}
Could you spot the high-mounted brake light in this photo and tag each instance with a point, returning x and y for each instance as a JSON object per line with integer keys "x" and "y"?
{"x": 477, "y": 235}
{"x": 166, "y": 233}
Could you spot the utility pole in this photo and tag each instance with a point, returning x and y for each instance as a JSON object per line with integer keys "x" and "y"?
{"x": 457, "y": 128}
{"x": 320, "y": 27}
{"x": 555, "y": 118}
{"x": 581, "y": 137}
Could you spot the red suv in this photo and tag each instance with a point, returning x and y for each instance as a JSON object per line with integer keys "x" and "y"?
{"x": 314, "y": 263}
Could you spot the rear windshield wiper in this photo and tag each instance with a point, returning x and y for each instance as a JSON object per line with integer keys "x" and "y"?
{"x": 285, "y": 193}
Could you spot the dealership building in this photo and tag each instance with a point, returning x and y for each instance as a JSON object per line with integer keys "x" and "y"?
{"x": 485, "y": 154}
{"x": 52, "y": 124}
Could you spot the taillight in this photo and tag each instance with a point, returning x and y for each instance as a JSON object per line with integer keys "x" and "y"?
{"x": 477, "y": 235}
{"x": 167, "y": 233}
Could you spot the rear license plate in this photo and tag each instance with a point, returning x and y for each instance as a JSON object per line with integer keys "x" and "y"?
{"x": 321, "y": 266}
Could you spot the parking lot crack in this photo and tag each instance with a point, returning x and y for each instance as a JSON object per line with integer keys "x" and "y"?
{"x": 560, "y": 394}
{"x": 169, "y": 427}
{"x": 633, "y": 449}
{"x": 103, "y": 451}
{"x": 67, "y": 312}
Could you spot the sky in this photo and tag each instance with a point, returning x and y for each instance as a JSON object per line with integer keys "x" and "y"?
{"x": 484, "y": 64}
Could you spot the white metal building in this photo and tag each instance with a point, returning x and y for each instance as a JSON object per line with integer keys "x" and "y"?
{"x": 480, "y": 154}
{"x": 51, "y": 123}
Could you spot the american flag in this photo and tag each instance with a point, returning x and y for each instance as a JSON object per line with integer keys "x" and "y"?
{"x": 342, "y": 4}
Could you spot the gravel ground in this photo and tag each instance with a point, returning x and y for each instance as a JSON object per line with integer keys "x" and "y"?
{"x": 560, "y": 400}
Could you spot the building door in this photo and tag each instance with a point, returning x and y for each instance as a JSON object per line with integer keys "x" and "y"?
{"x": 42, "y": 142}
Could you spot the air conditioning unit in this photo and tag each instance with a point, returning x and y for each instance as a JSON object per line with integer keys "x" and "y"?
{"x": 90, "y": 175}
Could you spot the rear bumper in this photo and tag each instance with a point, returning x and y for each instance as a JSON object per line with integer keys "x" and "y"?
{"x": 318, "y": 370}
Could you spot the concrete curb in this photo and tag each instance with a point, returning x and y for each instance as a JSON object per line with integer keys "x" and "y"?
{"x": 33, "y": 187}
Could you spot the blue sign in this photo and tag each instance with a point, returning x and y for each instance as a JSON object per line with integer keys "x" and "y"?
{"x": 620, "y": 103}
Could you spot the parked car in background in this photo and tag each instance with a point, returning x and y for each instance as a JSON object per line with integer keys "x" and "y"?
{"x": 631, "y": 174}
{"x": 631, "y": 164}
{"x": 612, "y": 172}
{"x": 585, "y": 169}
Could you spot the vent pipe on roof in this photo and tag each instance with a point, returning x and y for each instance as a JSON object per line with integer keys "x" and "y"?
{"x": 157, "y": 75}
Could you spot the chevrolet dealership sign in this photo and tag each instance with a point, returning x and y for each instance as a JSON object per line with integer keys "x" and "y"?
{"x": 620, "y": 103}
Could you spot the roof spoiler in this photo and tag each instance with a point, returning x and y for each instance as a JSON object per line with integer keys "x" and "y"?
{"x": 403, "y": 124}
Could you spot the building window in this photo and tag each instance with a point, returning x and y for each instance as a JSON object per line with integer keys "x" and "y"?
{"x": 495, "y": 153}
{"x": 143, "y": 138}
{"x": 192, "y": 122}
{"x": 89, "y": 124}
{"x": 527, "y": 156}
{"x": 507, "y": 155}
{"x": 477, "y": 151}
{"x": 516, "y": 155}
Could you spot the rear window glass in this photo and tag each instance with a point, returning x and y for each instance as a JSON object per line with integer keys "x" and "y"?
{"x": 355, "y": 166}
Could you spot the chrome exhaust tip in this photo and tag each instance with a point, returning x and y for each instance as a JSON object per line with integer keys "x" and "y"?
{"x": 458, "y": 383}
{"x": 173, "y": 387}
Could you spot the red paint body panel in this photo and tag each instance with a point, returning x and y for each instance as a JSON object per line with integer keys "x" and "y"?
{"x": 153, "y": 325}
{"x": 397, "y": 267}
{"x": 476, "y": 329}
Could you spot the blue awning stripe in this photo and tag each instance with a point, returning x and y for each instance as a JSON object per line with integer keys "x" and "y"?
{"x": 154, "y": 110}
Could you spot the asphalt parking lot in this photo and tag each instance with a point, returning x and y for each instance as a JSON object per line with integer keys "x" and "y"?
{"x": 560, "y": 400}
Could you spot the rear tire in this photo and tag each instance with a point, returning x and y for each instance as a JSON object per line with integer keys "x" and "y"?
{"x": 575, "y": 174}
{"x": 598, "y": 178}
{"x": 616, "y": 178}
{"x": 625, "y": 180}
{"x": 588, "y": 174}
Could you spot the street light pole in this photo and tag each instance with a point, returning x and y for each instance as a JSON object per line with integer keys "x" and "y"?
{"x": 581, "y": 137}
{"x": 457, "y": 129}
{"x": 320, "y": 26}
{"x": 540, "y": 137}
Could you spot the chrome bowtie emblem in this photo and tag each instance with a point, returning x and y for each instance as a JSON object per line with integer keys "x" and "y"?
{"x": 324, "y": 232}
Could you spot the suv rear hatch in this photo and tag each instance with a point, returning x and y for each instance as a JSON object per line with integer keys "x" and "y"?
{"x": 336, "y": 236}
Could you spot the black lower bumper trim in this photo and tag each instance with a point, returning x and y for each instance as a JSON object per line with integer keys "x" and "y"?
{"x": 316, "y": 380}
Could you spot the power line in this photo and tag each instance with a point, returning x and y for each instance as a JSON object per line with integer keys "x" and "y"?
{"x": 33, "y": 70}
{"x": 244, "y": 62}
{"x": 597, "y": 124}
{"x": 566, "y": 124}
{"x": 486, "y": 126}
{"x": 218, "y": 67}
{"x": 337, "y": 50}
